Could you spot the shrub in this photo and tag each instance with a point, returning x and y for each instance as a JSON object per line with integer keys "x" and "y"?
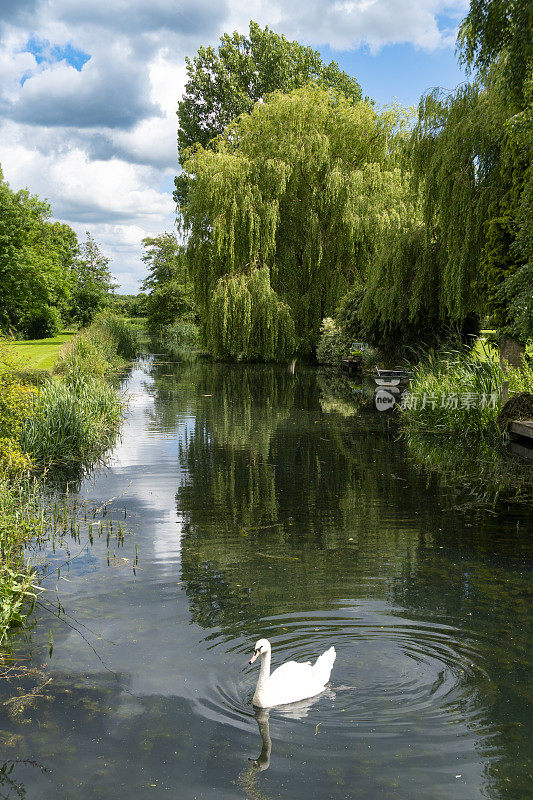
{"x": 43, "y": 324}
{"x": 332, "y": 343}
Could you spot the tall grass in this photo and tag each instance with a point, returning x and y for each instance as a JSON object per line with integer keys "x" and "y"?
{"x": 20, "y": 519}
{"x": 72, "y": 417}
{"x": 458, "y": 392}
{"x": 73, "y": 420}
{"x": 99, "y": 350}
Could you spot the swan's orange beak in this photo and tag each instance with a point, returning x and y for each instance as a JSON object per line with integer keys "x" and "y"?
{"x": 256, "y": 654}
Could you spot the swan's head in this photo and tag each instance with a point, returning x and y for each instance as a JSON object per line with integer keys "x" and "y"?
{"x": 262, "y": 646}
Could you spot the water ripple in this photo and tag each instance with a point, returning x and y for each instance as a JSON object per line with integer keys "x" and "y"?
{"x": 390, "y": 671}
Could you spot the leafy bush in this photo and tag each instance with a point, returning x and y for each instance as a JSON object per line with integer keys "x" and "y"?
{"x": 181, "y": 334}
{"x": 332, "y": 343}
{"x": 44, "y": 324}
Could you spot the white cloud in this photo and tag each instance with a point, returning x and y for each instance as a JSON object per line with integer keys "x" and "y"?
{"x": 100, "y": 142}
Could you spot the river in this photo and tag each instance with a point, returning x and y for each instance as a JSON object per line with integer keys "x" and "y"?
{"x": 255, "y": 505}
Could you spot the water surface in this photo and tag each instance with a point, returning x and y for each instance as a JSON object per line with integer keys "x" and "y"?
{"x": 259, "y": 505}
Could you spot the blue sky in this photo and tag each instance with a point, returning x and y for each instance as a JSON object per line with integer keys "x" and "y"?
{"x": 399, "y": 72}
{"x": 88, "y": 92}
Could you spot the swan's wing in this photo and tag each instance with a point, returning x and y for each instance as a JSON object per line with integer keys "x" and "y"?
{"x": 323, "y": 665}
{"x": 293, "y": 671}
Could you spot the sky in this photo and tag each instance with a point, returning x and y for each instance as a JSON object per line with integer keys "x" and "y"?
{"x": 89, "y": 91}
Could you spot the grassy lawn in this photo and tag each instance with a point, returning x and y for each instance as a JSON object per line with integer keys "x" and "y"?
{"x": 40, "y": 353}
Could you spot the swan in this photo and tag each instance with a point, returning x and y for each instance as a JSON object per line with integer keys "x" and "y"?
{"x": 292, "y": 681}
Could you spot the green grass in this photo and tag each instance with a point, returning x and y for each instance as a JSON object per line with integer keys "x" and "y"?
{"x": 40, "y": 353}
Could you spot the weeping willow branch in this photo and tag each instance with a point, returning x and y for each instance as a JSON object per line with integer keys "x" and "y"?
{"x": 248, "y": 320}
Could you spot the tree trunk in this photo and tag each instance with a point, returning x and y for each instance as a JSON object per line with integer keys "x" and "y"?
{"x": 511, "y": 352}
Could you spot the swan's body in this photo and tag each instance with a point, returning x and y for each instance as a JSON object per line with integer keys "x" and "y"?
{"x": 292, "y": 681}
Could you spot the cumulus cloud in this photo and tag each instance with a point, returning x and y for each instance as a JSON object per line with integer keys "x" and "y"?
{"x": 112, "y": 92}
{"x": 88, "y": 94}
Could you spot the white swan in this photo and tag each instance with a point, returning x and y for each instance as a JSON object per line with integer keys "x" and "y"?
{"x": 292, "y": 681}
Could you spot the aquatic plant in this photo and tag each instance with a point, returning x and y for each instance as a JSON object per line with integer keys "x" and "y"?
{"x": 99, "y": 350}
{"x": 458, "y": 391}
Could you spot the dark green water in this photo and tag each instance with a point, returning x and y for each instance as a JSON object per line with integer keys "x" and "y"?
{"x": 261, "y": 506}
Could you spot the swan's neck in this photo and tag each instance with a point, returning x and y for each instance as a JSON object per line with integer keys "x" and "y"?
{"x": 264, "y": 672}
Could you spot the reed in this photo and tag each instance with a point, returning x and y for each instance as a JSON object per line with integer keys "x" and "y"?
{"x": 458, "y": 392}
{"x": 100, "y": 350}
{"x": 74, "y": 419}
{"x": 21, "y": 518}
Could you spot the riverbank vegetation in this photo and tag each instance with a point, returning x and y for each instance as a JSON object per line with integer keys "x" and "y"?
{"x": 70, "y": 417}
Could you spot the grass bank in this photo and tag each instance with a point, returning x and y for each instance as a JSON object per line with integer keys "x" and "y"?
{"x": 72, "y": 417}
{"x": 40, "y": 353}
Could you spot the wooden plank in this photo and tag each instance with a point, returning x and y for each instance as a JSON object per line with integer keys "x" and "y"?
{"x": 523, "y": 428}
{"x": 522, "y": 451}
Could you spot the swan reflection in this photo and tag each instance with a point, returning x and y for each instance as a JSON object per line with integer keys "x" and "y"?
{"x": 292, "y": 711}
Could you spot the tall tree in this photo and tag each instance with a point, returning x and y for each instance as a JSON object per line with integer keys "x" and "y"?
{"x": 94, "y": 284}
{"x": 225, "y": 83}
{"x": 170, "y": 292}
{"x": 301, "y": 184}
{"x": 500, "y": 30}
{"x": 36, "y": 261}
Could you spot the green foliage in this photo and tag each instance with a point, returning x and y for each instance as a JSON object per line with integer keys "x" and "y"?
{"x": 15, "y": 405}
{"x": 170, "y": 293}
{"x": 20, "y": 518}
{"x": 36, "y": 261}
{"x": 43, "y": 324}
{"x": 123, "y": 334}
{"x": 248, "y": 320}
{"x": 304, "y": 183}
{"x": 332, "y": 344}
{"x": 94, "y": 284}
{"x": 129, "y": 305}
{"x": 181, "y": 334}
{"x": 461, "y": 393}
{"x": 500, "y": 30}
{"x": 99, "y": 350}
{"x": 228, "y": 82}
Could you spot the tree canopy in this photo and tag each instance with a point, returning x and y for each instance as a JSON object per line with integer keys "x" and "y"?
{"x": 169, "y": 289}
{"x": 94, "y": 284}
{"x": 227, "y": 82}
{"x": 37, "y": 259}
{"x": 468, "y": 249}
{"x": 500, "y": 30}
{"x": 302, "y": 184}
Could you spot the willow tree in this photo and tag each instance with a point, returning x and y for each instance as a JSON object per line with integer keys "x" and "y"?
{"x": 302, "y": 184}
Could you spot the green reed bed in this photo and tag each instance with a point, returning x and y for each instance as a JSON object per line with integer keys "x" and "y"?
{"x": 72, "y": 421}
{"x": 21, "y": 519}
{"x": 71, "y": 418}
{"x": 100, "y": 350}
{"x": 456, "y": 392}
